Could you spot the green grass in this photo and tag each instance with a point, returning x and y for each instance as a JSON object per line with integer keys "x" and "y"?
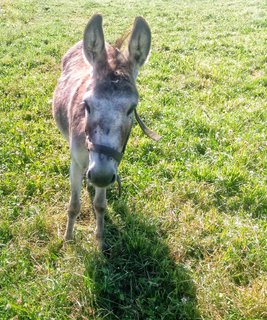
{"x": 188, "y": 238}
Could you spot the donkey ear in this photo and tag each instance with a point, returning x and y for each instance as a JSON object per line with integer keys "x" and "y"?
{"x": 139, "y": 44}
{"x": 93, "y": 40}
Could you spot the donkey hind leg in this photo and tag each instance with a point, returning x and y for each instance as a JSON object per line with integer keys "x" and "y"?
{"x": 76, "y": 176}
{"x": 100, "y": 204}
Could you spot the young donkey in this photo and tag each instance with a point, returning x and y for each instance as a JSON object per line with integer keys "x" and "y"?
{"x": 93, "y": 104}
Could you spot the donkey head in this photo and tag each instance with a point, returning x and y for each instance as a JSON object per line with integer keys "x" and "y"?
{"x": 111, "y": 96}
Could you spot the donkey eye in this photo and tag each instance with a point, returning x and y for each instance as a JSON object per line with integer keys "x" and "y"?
{"x": 87, "y": 106}
{"x": 131, "y": 109}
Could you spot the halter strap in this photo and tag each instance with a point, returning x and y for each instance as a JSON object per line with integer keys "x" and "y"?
{"x": 116, "y": 155}
{"x": 151, "y": 134}
{"x": 110, "y": 152}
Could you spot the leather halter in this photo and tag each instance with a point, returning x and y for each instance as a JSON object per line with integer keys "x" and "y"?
{"x": 116, "y": 155}
{"x": 151, "y": 134}
{"x": 110, "y": 152}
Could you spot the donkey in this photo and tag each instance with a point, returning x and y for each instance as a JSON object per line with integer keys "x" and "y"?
{"x": 93, "y": 106}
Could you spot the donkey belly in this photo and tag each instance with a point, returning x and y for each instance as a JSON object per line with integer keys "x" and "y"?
{"x": 60, "y": 110}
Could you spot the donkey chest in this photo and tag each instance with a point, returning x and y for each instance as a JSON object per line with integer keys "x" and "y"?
{"x": 80, "y": 154}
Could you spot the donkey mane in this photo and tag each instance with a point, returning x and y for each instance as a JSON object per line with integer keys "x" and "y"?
{"x": 122, "y": 39}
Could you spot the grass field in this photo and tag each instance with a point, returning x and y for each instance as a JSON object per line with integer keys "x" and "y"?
{"x": 188, "y": 237}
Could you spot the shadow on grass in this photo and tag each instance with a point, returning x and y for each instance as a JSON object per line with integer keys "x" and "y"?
{"x": 137, "y": 278}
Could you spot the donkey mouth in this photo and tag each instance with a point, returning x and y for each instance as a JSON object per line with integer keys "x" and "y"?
{"x": 102, "y": 179}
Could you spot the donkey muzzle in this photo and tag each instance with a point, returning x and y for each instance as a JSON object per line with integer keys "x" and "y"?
{"x": 102, "y": 171}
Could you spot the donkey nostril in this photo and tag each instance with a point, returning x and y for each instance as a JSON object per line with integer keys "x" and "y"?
{"x": 113, "y": 178}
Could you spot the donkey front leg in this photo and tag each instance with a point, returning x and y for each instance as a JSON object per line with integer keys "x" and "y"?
{"x": 100, "y": 204}
{"x": 76, "y": 176}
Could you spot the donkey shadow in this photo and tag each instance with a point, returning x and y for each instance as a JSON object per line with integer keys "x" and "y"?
{"x": 136, "y": 277}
